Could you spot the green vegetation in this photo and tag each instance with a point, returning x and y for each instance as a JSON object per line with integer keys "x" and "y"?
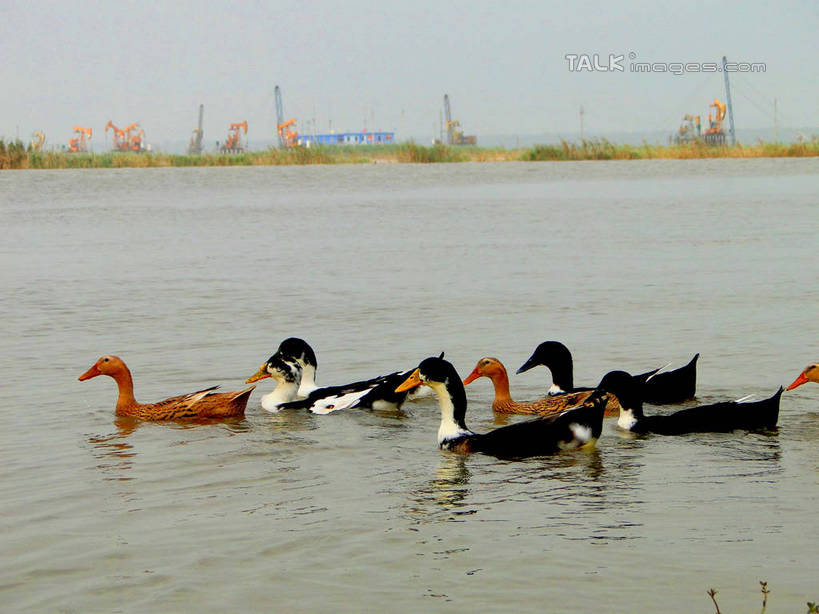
{"x": 605, "y": 150}
{"x": 16, "y": 155}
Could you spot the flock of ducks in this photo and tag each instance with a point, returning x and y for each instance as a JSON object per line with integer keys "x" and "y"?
{"x": 568, "y": 417}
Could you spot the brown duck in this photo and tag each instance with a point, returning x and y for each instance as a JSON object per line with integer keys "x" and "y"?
{"x": 197, "y": 405}
{"x": 503, "y": 403}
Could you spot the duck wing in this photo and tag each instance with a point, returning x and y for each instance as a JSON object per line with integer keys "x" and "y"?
{"x": 543, "y": 436}
{"x": 194, "y": 397}
{"x": 333, "y": 398}
{"x": 383, "y": 397}
{"x": 717, "y": 417}
{"x": 183, "y": 401}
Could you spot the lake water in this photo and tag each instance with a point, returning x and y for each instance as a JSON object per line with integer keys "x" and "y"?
{"x": 193, "y": 277}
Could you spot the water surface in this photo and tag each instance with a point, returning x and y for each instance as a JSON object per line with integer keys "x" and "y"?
{"x": 193, "y": 276}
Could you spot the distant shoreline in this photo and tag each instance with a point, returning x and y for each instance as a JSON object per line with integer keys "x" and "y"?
{"x": 17, "y": 156}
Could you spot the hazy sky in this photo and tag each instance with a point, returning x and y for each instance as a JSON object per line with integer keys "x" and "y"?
{"x": 386, "y": 65}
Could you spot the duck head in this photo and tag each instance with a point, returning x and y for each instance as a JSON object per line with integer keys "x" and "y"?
{"x": 106, "y": 365}
{"x": 283, "y": 371}
{"x": 810, "y": 374}
{"x": 627, "y": 390}
{"x": 486, "y": 367}
{"x": 441, "y": 376}
{"x": 558, "y": 359}
{"x": 298, "y": 350}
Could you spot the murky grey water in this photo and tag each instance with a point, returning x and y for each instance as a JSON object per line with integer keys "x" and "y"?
{"x": 193, "y": 276}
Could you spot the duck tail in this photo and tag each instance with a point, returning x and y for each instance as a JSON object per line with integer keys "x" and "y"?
{"x": 767, "y": 410}
{"x": 241, "y": 397}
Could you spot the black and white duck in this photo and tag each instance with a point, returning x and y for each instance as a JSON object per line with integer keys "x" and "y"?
{"x": 573, "y": 429}
{"x": 713, "y": 418}
{"x": 659, "y": 388}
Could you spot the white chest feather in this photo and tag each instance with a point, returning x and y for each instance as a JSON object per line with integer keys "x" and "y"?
{"x": 284, "y": 392}
{"x": 626, "y": 420}
{"x": 554, "y": 389}
{"x": 449, "y": 429}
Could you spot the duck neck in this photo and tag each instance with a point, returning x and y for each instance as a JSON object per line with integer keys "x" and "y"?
{"x": 125, "y": 384}
{"x": 308, "y": 380}
{"x": 562, "y": 376}
{"x": 500, "y": 380}
{"x": 284, "y": 392}
{"x": 453, "y": 411}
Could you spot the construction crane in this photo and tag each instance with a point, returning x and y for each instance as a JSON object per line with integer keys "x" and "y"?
{"x": 448, "y": 119}
{"x": 233, "y": 144}
{"x": 690, "y": 130}
{"x": 454, "y": 136}
{"x": 195, "y": 144}
{"x": 715, "y": 135}
{"x": 37, "y": 142}
{"x": 287, "y": 137}
{"x": 78, "y": 144}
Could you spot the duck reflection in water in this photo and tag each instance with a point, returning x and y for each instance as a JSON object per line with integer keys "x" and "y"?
{"x": 113, "y": 452}
{"x": 443, "y": 496}
{"x": 451, "y": 482}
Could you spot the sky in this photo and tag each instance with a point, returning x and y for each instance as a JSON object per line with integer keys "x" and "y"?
{"x": 380, "y": 65}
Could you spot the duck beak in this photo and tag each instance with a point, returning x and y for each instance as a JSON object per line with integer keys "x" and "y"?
{"x": 412, "y": 381}
{"x": 472, "y": 377}
{"x": 527, "y": 365}
{"x": 260, "y": 374}
{"x": 94, "y": 371}
{"x": 798, "y": 381}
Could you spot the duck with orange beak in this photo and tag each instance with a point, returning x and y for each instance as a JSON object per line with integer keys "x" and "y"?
{"x": 503, "y": 403}
{"x": 577, "y": 428}
{"x": 202, "y": 404}
{"x": 376, "y": 393}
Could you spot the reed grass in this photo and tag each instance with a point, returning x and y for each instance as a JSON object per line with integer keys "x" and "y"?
{"x": 16, "y": 155}
{"x": 605, "y": 150}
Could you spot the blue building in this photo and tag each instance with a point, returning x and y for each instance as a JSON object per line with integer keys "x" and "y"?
{"x": 347, "y": 138}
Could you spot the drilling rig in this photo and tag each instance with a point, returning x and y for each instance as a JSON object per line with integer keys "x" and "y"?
{"x": 78, "y": 144}
{"x": 455, "y": 136}
{"x": 124, "y": 141}
{"x": 233, "y": 143}
{"x": 136, "y": 142}
{"x": 690, "y": 130}
{"x": 37, "y": 142}
{"x": 287, "y": 137}
{"x": 715, "y": 135}
{"x": 195, "y": 144}
{"x": 120, "y": 140}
